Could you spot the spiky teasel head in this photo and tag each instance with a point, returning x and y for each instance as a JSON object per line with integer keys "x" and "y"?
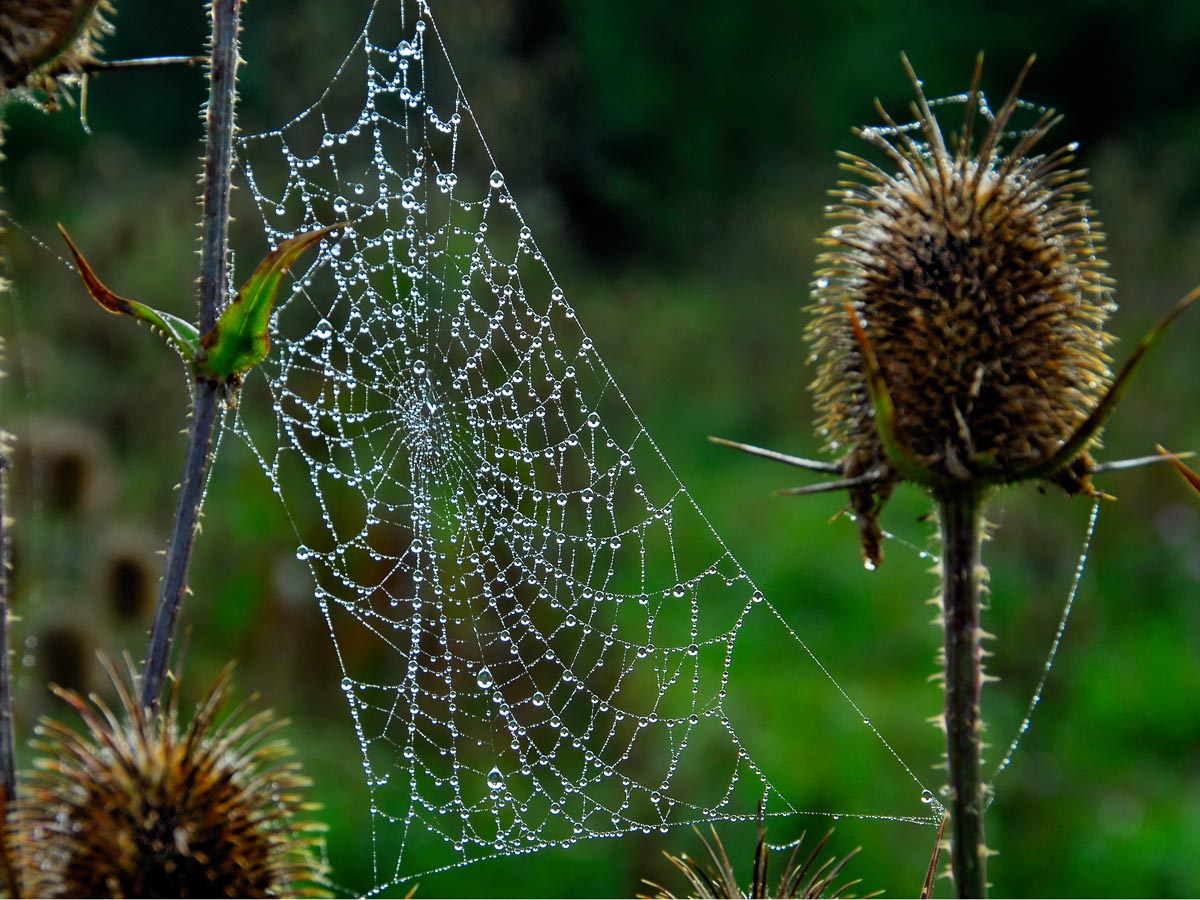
{"x": 959, "y": 310}
{"x": 45, "y": 42}
{"x": 138, "y": 806}
{"x": 803, "y": 876}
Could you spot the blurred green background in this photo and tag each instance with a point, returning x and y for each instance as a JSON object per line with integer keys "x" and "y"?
{"x": 672, "y": 162}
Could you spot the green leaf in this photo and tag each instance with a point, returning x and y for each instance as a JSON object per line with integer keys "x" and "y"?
{"x": 241, "y": 338}
{"x": 182, "y": 334}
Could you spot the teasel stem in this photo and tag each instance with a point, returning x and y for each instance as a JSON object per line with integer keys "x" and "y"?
{"x": 960, "y": 515}
{"x": 8, "y": 759}
{"x": 207, "y": 394}
{"x": 8, "y": 756}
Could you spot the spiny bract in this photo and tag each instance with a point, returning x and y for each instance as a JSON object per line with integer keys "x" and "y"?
{"x": 138, "y": 807}
{"x": 975, "y": 274}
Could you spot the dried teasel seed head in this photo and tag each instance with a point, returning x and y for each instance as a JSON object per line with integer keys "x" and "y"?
{"x": 138, "y": 806}
{"x": 971, "y": 264}
{"x": 46, "y": 42}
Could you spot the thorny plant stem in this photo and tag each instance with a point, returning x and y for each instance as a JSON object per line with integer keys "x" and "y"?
{"x": 961, "y": 518}
{"x": 206, "y": 397}
{"x": 218, "y": 160}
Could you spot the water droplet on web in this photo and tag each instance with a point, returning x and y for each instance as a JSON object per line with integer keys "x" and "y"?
{"x": 927, "y": 797}
{"x": 532, "y": 509}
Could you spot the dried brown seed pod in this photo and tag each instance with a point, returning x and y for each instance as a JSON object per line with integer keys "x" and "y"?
{"x": 974, "y": 271}
{"x": 43, "y": 42}
{"x": 138, "y": 806}
{"x": 958, "y": 323}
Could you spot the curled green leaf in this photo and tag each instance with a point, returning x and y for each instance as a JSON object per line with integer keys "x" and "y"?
{"x": 183, "y": 335}
{"x": 241, "y": 338}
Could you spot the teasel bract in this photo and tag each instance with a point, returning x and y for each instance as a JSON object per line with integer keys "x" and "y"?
{"x": 139, "y": 806}
{"x": 958, "y": 331}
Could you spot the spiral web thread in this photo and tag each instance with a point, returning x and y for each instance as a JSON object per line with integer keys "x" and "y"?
{"x": 536, "y": 624}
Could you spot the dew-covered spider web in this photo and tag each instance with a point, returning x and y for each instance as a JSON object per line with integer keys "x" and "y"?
{"x": 539, "y": 629}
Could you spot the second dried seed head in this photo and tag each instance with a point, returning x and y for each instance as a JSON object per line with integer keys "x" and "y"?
{"x": 965, "y": 270}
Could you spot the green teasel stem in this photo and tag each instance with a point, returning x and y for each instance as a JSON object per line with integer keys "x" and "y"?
{"x": 960, "y": 515}
{"x": 207, "y": 394}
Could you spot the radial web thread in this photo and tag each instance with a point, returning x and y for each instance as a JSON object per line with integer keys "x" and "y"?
{"x": 536, "y": 623}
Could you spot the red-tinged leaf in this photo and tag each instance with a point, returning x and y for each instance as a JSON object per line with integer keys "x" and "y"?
{"x": 1188, "y": 475}
{"x": 183, "y": 334}
{"x": 241, "y": 338}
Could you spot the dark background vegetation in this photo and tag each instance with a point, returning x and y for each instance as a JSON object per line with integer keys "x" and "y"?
{"x": 672, "y": 160}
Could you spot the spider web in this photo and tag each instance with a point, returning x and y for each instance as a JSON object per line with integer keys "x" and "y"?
{"x": 536, "y": 624}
